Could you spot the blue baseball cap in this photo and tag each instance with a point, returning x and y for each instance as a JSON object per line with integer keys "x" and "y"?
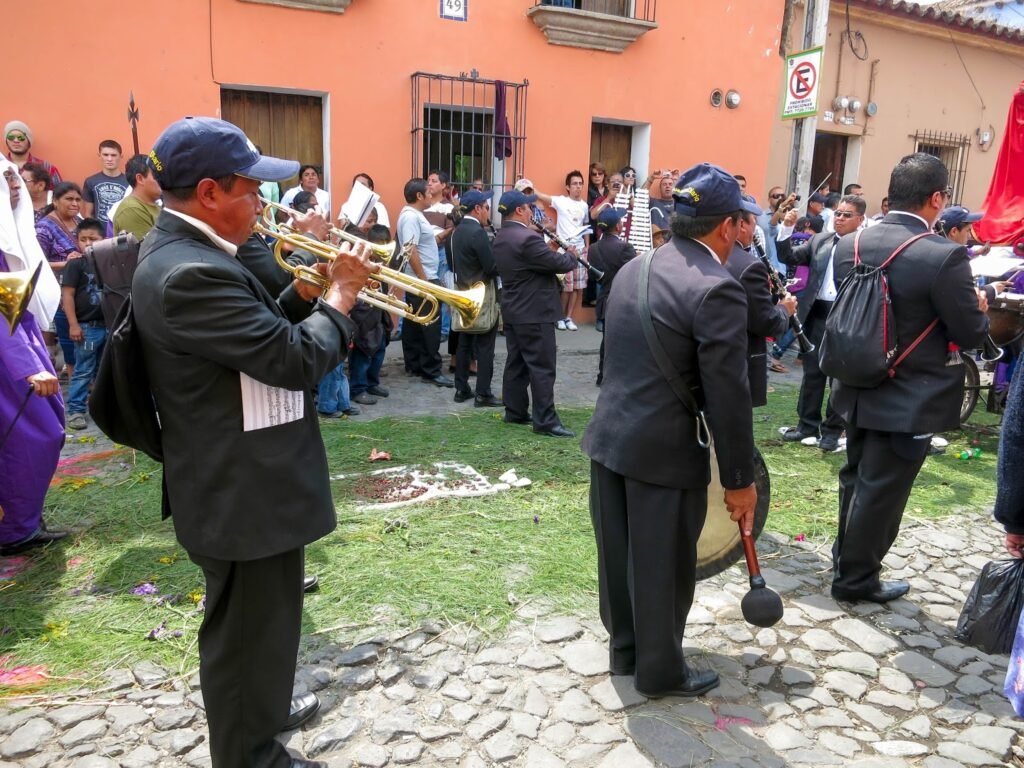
{"x": 472, "y": 198}
{"x": 817, "y": 197}
{"x": 513, "y": 199}
{"x": 957, "y": 216}
{"x": 707, "y": 190}
{"x": 197, "y": 148}
{"x": 609, "y": 217}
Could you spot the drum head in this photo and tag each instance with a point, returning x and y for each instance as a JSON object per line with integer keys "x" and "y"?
{"x": 719, "y": 546}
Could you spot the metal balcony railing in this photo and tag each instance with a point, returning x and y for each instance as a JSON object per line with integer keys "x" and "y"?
{"x": 642, "y": 10}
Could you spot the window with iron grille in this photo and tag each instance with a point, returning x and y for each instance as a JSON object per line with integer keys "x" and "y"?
{"x": 952, "y": 149}
{"x": 645, "y": 10}
{"x": 470, "y": 127}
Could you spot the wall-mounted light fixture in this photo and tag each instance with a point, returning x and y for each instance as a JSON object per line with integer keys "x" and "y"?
{"x": 732, "y": 99}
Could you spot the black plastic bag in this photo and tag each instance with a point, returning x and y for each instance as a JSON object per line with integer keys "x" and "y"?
{"x": 990, "y": 615}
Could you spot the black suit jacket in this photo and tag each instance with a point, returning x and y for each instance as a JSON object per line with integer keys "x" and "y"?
{"x": 764, "y": 318}
{"x": 640, "y": 429}
{"x": 203, "y": 318}
{"x": 932, "y": 278}
{"x": 471, "y": 254}
{"x": 814, "y": 253}
{"x": 530, "y": 293}
{"x": 609, "y": 254}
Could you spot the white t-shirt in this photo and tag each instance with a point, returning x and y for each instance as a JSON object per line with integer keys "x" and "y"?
{"x": 322, "y": 199}
{"x": 572, "y": 216}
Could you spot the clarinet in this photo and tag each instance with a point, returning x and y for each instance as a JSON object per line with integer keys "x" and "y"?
{"x": 778, "y": 293}
{"x": 594, "y": 271}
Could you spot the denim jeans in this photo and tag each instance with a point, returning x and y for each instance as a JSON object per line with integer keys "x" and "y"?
{"x": 62, "y": 327}
{"x": 87, "y": 358}
{"x": 446, "y": 278}
{"x": 332, "y": 395}
{"x": 364, "y": 370}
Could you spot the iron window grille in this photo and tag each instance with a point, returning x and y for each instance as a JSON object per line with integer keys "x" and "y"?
{"x": 642, "y": 10}
{"x": 952, "y": 149}
{"x": 454, "y": 129}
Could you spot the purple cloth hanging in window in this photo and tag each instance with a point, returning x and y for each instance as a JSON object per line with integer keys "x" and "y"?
{"x": 502, "y": 134}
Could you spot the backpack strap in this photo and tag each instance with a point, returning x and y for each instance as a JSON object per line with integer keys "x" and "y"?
{"x": 668, "y": 370}
{"x": 931, "y": 325}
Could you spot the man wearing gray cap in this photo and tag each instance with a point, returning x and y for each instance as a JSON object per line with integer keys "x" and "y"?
{"x": 231, "y": 375}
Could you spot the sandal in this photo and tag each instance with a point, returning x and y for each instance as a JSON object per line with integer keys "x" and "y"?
{"x": 778, "y": 367}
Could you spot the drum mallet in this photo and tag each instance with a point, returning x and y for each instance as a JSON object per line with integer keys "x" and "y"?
{"x": 761, "y": 606}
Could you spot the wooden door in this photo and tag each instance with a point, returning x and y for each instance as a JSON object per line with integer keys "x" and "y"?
{"x": 829, "y": 157}
{"x": 282, "y": 124}
{"x": 610, "y": 145}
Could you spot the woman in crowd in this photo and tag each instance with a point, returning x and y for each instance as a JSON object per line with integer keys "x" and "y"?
{"x": 309, "y": 181}
{"x": 598, "y": 187}
{"x": 55, "y": 232}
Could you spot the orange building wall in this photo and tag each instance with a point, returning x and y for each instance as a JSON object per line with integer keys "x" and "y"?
{"x": 363, "y": 60}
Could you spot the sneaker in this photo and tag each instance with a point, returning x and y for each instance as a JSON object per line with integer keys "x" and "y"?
{"x": 379, "y": 391}
{"x": 352, "y": 410}
{"x": 570, "y": 325}
{"x": 560, "y": 325}
{"x": 364, "y": 398}
{"x": 77, "y": 421}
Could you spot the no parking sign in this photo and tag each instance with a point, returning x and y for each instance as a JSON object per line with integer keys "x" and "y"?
{"x": 803, "y": 73}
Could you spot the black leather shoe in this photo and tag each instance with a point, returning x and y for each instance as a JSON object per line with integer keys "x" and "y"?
{"x": 697, "y": 684}
{"x": 487, "y": 401}
{"x": 461, "y": 397}
{"x": 43, "y": 536}
{"x": 558, "y": 431}
{"x": 310, "y": 583}
{"x": 796, "y": 435}
{"x": 303, "y": 707}
{"x": 622, "y": 670}
{"x": 829, "y": 443}
{"x": 301, "y": 762}
{"x": 439, "y": 381}
{"x": 379, "y": 391}
{"x": 883, "y": 593}
{"x": 510, "y": 419}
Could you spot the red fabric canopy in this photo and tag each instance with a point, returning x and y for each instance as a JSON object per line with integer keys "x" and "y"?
{"x": 1004, "y": 204}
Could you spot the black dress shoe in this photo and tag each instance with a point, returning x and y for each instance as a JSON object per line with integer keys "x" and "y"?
{"x": 624, "y": 670}
{"x": 310, "y": 583}
{"x": 883, "y": 593}
{"x": 461, "y": 397}
{"x": 42, "y": 537}
{"x": 439, "y": 381}
{"x": 829, "y": 443}
{"x": 510, "y": 419}
{"x": 696, "y": 684}
{"x": 796, "y": 435}
{"x": 301, "y": 762}
{"x": 487, "y": 401}
{"x": 557, "y": 431}
{"x": 303, "y": 707}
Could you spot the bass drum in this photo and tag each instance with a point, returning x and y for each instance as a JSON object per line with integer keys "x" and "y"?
{"x": 720, "y": 546}
{"x": 1006, "y": 318}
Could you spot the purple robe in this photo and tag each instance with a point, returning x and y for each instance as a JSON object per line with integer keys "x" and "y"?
{"x": 29, "y": 457}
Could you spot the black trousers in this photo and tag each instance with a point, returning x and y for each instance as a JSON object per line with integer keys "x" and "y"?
{"x": 248, "y": 644}
{"x": 874, "y": 486}
{"x": 421, "y": 344}
{"x": 530, "y": 363}
{"x": 646, "y": 566}
{"x": 479, "y": 346}
{"x": 812, "y": 387}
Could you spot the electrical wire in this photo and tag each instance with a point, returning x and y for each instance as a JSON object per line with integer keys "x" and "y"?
{"x": 849, "y": 36}
{"x": 966, "y": 71}
{"x": 209, "y": 9}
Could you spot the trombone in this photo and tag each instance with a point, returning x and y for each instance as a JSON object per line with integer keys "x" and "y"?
{"x": 467, "y": 303}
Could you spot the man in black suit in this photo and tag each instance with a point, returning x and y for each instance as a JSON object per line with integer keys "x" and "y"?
{"x": 608, "y": 254}
{"x": 649, "y": 471}
{"x": 764, "y": 317}
{"x": 531, "y": 304}
{"x": 888, "y": 427}
{"x": 231, "y": 377}
{"x": 474, "y": 263}
{"x": 818, "y": 296}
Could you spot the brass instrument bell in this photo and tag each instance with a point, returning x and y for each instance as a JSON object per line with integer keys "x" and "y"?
{"x": 16, "y": 290}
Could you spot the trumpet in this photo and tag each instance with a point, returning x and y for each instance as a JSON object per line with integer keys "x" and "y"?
{"x": 15, "y": 292}
{"x": 467, "y": 303}
{"x": 392, "y": 254}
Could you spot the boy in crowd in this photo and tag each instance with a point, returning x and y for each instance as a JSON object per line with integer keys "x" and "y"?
{"x": 137, "y": 213}
{"x": 80, "y": 297}
{"x": 573, "y": 215}
{"x": 103, "y": 189}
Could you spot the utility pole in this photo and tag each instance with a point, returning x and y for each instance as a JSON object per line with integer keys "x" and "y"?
{"x": 815, "y": 32}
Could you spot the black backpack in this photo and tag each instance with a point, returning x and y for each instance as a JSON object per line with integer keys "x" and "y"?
{"x": 114, "y": 261}
{"x": 859, "y": 347}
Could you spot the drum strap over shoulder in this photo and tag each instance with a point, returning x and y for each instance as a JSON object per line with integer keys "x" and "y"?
{"x": 672, "y": 376}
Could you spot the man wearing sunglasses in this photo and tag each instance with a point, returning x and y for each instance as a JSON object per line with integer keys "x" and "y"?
{"x": 19, "y": 141}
